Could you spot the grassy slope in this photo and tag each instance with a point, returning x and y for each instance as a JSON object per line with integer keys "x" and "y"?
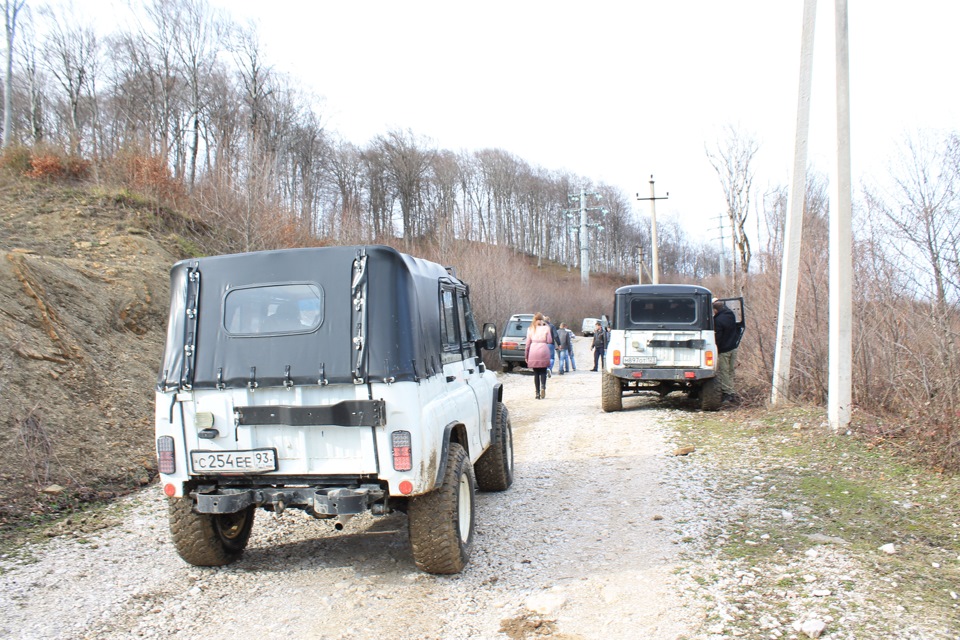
{"x": 820, "y": 506}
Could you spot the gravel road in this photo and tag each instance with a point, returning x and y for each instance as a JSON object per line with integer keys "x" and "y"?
{"x": 584, "y": 545}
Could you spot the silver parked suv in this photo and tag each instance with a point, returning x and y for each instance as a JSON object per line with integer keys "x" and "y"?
{"x": 513, "y": 342}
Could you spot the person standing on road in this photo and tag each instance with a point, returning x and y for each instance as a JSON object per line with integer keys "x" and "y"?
{"x": 728, "y": 339}
{"x": 555, "y": 340}
{"x": 564, "y": 348}
{"x": 537, "y": 352}
{"x": 573, "y": 360}
{"x": 599, "y": 346}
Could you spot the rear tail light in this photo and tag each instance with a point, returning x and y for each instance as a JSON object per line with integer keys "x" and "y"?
{"x": 400, "y": 442}
{"x": 166, "y": 461}
{"x": 509, "y": 345}
{"x": 616, "y": 357}
{"x": 708, "y": 357}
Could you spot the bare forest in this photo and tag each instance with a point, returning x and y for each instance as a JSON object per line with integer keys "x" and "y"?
{"x": 184, "y": 111}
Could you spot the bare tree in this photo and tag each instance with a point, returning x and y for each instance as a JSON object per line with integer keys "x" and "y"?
{"x": 921, "y": 216}
{"x": 255, "y": 79}
{"x": 444, "y": 180}
{"x": 407, "y": 160}
{"x": 33, "y": 88}
{"x": 474, "y": 197}
{"x": 72, "y": 58}
{"x": 380, "y": 198}
{"x": 11, "y": 9}
{"x": 344, "y": 168}
{"x": 155, "y": 54}
{"x": 731, "y": 160}
{"x": 198, "y": 29}
{"x": 922, "y": 226}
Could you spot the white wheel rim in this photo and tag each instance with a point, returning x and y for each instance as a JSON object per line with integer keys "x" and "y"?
{"x": 463, "y": 507}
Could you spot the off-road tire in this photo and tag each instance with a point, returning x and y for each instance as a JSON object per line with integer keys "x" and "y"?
{"x": 711, "y": 395}
{"x": 205, "y": 539}
{"x": 494, "y": 469}
{"x": 611, "y": 396}
{"x": 440, "y": 538}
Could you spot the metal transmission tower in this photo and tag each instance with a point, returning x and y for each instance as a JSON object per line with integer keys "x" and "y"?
{"x": 723, "y": 251}
{"x": 641, "y": 266}
{"x": 653, "y": 230}
{"x": 584, "y": 224}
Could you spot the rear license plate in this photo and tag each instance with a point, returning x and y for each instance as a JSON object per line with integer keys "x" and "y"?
{"x": 252, "y": 461}
{"x": 639, "y": 359}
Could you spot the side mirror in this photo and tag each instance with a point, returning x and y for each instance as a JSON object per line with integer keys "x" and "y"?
{"x": 488, "y": 338}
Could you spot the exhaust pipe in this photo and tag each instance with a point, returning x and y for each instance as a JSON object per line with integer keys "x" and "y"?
{"x": 342, "y": 520}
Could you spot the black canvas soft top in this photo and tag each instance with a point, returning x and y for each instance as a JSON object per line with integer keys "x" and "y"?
{"x": 380, "y": 319}
{"x": 703, "y": 316}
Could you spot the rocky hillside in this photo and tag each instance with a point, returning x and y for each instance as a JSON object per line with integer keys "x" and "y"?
{"x": 83, "y": 297}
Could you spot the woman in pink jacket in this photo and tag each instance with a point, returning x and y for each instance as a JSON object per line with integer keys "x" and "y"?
{"x": 537, "y": 352}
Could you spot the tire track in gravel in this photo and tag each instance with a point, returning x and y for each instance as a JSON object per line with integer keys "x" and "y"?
{"x": 608, "y": 475}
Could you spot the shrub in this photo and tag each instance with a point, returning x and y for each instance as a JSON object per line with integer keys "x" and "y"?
{"x": 75, "y": 168}
{"x": 17, "y": 159}
{"x": 46, "y": 167}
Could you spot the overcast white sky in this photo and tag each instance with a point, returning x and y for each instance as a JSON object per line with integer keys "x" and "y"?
{"x": 617, "y": 90}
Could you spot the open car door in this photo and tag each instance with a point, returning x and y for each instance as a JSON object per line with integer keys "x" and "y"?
{"x": 736, "y": 305}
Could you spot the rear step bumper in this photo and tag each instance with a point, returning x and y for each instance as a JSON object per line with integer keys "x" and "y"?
{"x": 318, "y": 501}
{"x": 679, "y": 375}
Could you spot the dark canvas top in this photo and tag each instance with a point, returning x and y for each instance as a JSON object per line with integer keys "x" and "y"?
{"x": 360, "y": 314}
{"x": 676, "y": 315}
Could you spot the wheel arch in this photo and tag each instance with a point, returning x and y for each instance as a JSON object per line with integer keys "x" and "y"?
{"x": 453, "y": 432}
{"x": 494, "y": 402}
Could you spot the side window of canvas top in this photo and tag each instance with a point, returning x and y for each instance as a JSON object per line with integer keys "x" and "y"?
{"x": 273, "y": 309}
{"x": 449, "y": 319}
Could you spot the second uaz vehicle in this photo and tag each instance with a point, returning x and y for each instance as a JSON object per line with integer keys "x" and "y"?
{"x": 662, "y": 340}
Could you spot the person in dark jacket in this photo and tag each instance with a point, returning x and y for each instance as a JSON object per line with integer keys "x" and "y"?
{"x": 599, "y": 346}
{"x": 553, "y": 345}
{"x": 564, "y": 348}
{"x": 728, "y": 339}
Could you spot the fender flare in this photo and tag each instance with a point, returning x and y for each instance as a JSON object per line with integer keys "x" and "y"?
{"x": 497, "y": 399}
{"x": 444, "y": 449}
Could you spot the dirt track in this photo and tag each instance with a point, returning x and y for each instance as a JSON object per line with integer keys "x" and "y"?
{"x": 582, "y": 546}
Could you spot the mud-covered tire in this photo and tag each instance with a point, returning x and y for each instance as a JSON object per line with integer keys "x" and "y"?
{"x": 611, "y": 394}
{"x": 494, "y": 469}
{"x": 441, "y": 522}
{"x": 711, "y": 395}
{"x": 208, "y": 540}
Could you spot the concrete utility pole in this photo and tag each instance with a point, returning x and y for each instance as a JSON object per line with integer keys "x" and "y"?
{"x": 584, "y": 224}
{"x": 790, "y": 269}
{"x": 839, "y": 386}
{"x": 655, "y": 259}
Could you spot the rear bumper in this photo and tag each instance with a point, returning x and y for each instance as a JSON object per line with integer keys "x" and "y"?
{"x": 513, "y": 356}
{"x": 315, "y": 500}
{"x": 675, "y": 375}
